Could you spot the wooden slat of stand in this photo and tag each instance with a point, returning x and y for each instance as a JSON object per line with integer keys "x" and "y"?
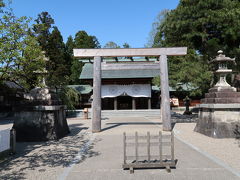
{"x": 124, "y": 148}
{"x": 148, "y": 146}
{"x": 136, "y": 146}
{"x": 164, "y": 157}
{"x": 150, "y": 165}
{"x": 145, "y": 137}
{"x": 172, "y": 145}
{"x": 160, "y": 146}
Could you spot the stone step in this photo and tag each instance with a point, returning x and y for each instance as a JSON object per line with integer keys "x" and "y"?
{"x": 118, "y": 113}
{"x": 222, "y": 95}
{"x": 220, "y": 100}
{"x": 131, "y": 113}
{"x": 125, "y": 113}
{"x": 226, "y": 89}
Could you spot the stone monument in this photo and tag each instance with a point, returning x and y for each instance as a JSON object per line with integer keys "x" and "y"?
{"x": 219, "y": 111}
{"x": 40, "y": 116}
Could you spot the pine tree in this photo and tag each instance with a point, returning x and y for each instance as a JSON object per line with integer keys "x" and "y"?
{"x": 81, "y": 40}
{"x": 75, "y": 64}
{"x": 57, "y": 65}
{"x": 70, "y": 45}
{"x": 43, "y": 28}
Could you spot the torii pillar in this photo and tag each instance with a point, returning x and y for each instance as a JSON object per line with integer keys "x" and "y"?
{"x": 162, "y": 53}
{"x": 97, "y": 101}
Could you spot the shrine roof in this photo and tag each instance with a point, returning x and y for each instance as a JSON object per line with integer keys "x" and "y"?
{"x": 87, "y": 73}
{"x": 83, "y": 89}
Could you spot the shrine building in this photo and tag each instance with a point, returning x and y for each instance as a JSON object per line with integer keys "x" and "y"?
{"x": 124, "y": 89}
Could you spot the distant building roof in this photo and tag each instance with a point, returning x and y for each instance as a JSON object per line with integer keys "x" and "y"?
{"x": 12, "y": 85}
{"x": 180, "y": 87}
{"x": 157, "y": 88}
{"x": 87, "y": 73}
{"x": 83, "y": 89}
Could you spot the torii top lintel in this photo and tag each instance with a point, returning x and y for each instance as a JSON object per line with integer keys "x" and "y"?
{"x": 130, "y": 52}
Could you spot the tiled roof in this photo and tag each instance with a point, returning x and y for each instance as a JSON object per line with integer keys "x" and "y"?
{"x": 87, "y": 73}
{"x": 83, "y": 89}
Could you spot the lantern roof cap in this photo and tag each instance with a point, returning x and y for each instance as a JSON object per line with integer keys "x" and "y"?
{"x": 222, "y": 58}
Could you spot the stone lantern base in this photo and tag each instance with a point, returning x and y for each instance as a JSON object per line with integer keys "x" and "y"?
{"x": 219, "y": 113}
{"x": 40, "y": 117}
{"x": 218, "y": 120}
{"x": 40, "y": 123}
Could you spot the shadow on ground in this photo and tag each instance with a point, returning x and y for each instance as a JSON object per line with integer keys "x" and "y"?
{"x": 114, "y": 125}
{"x": 237, "y": 134}
{"x": 41, "y": 156}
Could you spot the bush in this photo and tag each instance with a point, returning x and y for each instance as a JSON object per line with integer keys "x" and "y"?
{"x": 70, "y": 97}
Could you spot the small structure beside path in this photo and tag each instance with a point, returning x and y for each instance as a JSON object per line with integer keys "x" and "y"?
{"x": 164, "y": 143}
{"x": 219, "y": 114}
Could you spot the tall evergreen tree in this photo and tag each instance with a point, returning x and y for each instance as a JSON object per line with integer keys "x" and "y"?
{"x": 81, "y": 40}
{"x": 57, "y": 65}
{"x": 70, "y": 45}
{"x": 52, "y": 43}
{"x": 76, "y": 65}
{"x": 43, "y": 29}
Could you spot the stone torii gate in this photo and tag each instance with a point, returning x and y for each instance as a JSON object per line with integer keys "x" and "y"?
{"x": 162, "y": 53}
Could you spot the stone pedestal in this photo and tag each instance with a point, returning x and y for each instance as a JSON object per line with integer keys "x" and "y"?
{"x": 40, "y": 117}
{"x": 40, "y": 123}
{"x": 219, "y": 113}
{"x": 218, "y": 120}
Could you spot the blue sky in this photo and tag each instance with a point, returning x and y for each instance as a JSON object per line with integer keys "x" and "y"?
{"x": 109, "y": 20}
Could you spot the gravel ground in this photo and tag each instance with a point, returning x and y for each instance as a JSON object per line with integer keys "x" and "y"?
{"x": 46, "y": 160}
{"x": 226, "y": 150}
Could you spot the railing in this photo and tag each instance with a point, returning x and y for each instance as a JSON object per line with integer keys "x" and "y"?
{"x": 148, "y": 151}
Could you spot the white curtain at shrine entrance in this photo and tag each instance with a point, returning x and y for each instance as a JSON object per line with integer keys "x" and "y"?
{"x": 133, "y": 90}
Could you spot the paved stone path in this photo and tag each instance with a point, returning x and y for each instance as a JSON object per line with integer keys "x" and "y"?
{"x": 107, "y": 165}
{"x": 83, "y": 155}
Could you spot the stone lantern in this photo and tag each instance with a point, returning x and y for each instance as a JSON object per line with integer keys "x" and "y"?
{"x": 222, "y": 62}
{"x": 41, "y": 115}
{"x": 43, "y": 72}
{"x": 219, "y": 111}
